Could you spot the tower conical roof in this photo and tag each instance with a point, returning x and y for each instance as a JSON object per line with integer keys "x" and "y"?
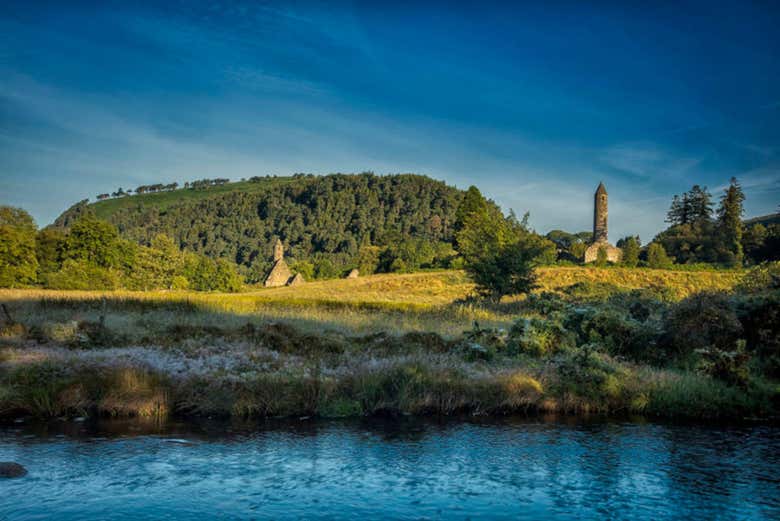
{"x": 601, "y": 189}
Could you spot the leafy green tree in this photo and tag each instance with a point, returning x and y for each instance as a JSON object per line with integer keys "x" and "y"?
{"x": 156, "y": 266}
{"x": 368, "y": 258}
{"x": 472, "y": 202}
{"x": 499, "y": 254}
{"x": 226, "y": 278}
{"x": 630, "y": 246}
{"x": 49, "y": 247}
{"x": 325, "y": 269}
{"x": 305, "y": 268}
{"x": 82, "y": 275}
{"x": 95, "y": 242}
{"x": 730, "y": 222}
{"x": 657, "y": 257}
{"x": 18, "y": 262}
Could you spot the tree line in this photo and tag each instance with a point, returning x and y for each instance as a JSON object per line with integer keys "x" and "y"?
{"x": 334, "y": 223}
{"x": 698, "y": 233}
{"x": 200, "y": 184}
{"x": 91, "y": 255}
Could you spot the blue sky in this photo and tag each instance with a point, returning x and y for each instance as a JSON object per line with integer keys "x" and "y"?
{"x": 535, "y": 105}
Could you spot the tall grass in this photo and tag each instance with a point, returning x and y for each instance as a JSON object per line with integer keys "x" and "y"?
{"x": 379, "y": 344}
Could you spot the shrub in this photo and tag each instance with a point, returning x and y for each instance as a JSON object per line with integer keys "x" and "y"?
{"x": 702, "y": 321}
{"x": 729, "y": 365}
{"x": 761, "y": 278}
{"x": 620, "y": 334}
{"x": 539, "y": 337}
{"x": 657, "y": 257}
{"x": 590, "y": 290}
{"x": 760, "y": 319}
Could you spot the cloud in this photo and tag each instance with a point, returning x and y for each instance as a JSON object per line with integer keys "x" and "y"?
{"x": 648, "y": 160}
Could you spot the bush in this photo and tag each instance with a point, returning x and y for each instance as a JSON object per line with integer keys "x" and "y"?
{"x": 702, "y": 321}
{"x": 729, "y": 365}
{"x": 761, "y": 278}
{"x": 657, "y": 257}
{"x": 620, "y": 334}
{"x": 760, "y": 319}
{"x": 539, "y": 337}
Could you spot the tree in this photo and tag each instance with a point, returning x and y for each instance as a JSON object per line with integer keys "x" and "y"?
{"x": 693, "y": 206}
{"x": 630, "y": 247}
{"x": 49, "y": 247}
{"x": 699, "y": 204}
{"x": 656, "y": 256}
{"x": 18, "y": 263}
{"x": 95, "y": 242}
{"x": 473, "y": 202}
{"x": 730, "y": 223}
{"x": 368, "y": 257}
{"x": 499, "y": 254}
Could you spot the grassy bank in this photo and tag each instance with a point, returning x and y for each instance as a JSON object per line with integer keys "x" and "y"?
{"x": 383, "y": 344}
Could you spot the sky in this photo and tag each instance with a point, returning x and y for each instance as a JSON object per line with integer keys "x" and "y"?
{"x": 533, "y": 104}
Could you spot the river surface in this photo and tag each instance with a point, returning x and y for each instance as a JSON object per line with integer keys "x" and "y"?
{"x": 399, "y": 469}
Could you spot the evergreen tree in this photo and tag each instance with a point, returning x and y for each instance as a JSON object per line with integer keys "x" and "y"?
{"x": 675, "y": 215}
{"x": 730, "y": 223}
{"x": 699, "y": 205}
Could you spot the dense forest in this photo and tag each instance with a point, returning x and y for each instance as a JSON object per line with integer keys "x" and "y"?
{"x": 327, "y": 223}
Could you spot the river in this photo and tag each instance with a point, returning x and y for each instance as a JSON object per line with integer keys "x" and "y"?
{"x": 513, "y": 468}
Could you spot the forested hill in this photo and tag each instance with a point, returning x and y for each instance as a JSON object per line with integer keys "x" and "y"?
{"x": 323, "y": 220}
{"x": 766, "y": 220}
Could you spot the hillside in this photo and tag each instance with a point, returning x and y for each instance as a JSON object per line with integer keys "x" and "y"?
{"x": 772, "y": 218}
{"x": 320, "y": 219}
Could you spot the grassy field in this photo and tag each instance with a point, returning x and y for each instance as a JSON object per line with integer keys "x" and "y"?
{"x": 385, "y": 343}
{"x": 430, "y": 301}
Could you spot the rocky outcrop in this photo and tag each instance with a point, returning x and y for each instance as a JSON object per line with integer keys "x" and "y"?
{"x": 353, "y": 274}
{"x": 9, "y": 469}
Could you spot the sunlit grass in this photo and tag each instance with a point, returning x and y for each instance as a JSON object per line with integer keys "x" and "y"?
{"x": 428, "y": 301}
{"x": 331, "y": 348}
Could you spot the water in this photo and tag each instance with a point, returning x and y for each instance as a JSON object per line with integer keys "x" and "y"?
{"x": 511, "y": 468}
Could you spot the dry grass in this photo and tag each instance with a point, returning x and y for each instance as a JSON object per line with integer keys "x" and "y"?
{"x": 332, "y": 348}
{"x": 428, "y": 301}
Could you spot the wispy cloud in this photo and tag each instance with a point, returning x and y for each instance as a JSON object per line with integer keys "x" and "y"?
{"x": 648, "y": 160}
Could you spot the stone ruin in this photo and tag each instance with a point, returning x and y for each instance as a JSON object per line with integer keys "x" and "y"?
{"x": 600, "y": 240}
{"x": 280, "y": 274}
{"x": 353, "y": 274}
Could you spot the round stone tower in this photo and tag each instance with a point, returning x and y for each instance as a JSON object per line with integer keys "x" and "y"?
{"x": 600, "y": 214}
{"x": 600, "y": 241}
